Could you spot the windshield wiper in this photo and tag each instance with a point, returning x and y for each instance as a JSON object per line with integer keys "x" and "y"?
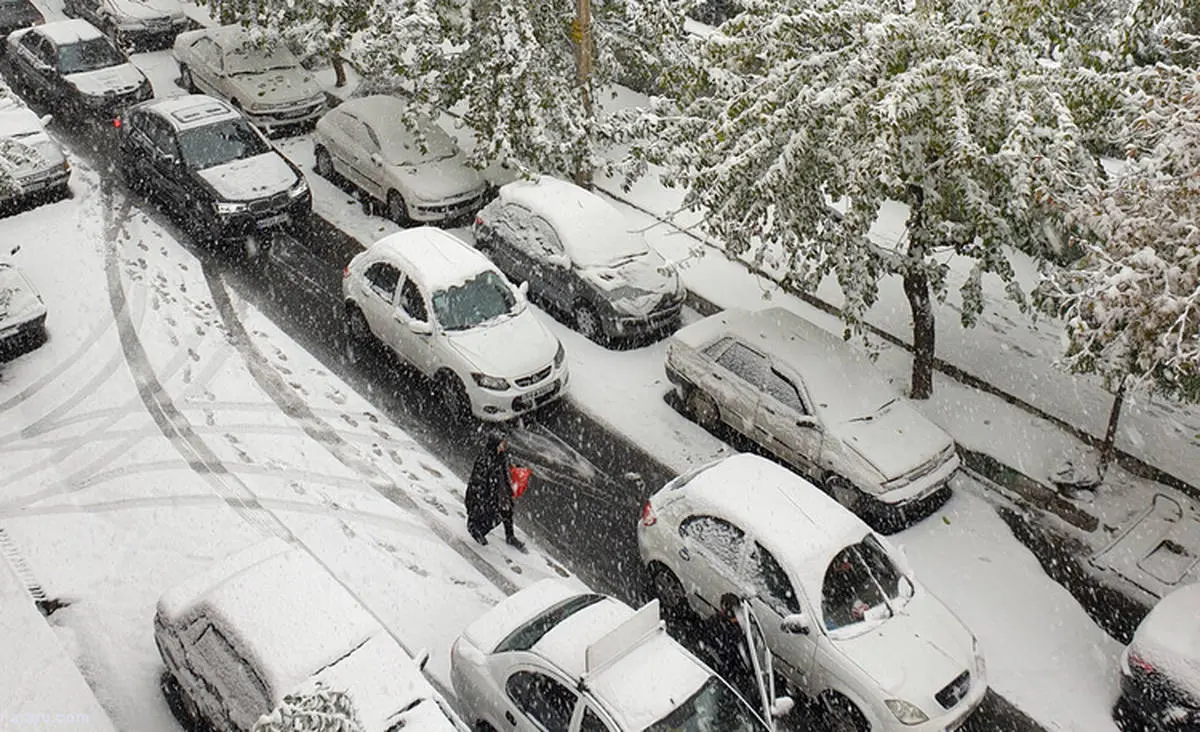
{"x": 871, "y": 416}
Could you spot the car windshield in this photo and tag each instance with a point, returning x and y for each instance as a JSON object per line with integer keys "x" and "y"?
{"x": 526, "y": 636}
{"x": 482, "y": 298}
{"x": 862, "y": 587}
{"x": 220, "y": 143}
{"x": 252, "y": 58}
{"x": 609, "y": 247}
{"x": 714, "y": 708}
{"x": 89, "y": 55}
{"x": 400, "y": 145}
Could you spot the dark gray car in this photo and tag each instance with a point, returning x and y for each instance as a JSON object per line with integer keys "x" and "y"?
{"x": 17, "y": 14}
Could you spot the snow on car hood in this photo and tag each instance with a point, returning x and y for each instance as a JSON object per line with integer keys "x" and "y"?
{"x": 913, "y": 655}
{"x": 278, "y": 86}
{"x": 894, "y": 440}
{"x": 1169, "y": 638}
{"x": 508, "y": 348}
{"x": 440, "y": 180}
{"x": 119, "y": 79}
{"x": 25, "y": 148}
{"x": 250, "y": 178}
{"x": 386, "y": 686}
{"x": 636, "y": 285}
{"x": 19, "y": 302}
{"x": 148, "y": 9}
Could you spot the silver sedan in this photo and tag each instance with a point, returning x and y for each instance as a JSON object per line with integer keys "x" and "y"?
{"x": 412, "y": 169}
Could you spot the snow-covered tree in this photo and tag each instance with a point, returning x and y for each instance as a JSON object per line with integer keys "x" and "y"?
{"x": 322, "y": 710}
{"x": 950, "y": 108}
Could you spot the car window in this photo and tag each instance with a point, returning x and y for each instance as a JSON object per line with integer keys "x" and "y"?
{"x": 530, "y": 233}
{"x": 235, "y": 672}
{"x": 484, "y": 297}
{"x": 591, "y": 722}
{"x": 542, "y": 699}
{"x": 746, "y": 363}
{"x": 355, "y": 129}
{"x": 219, "y": 143}
{"x": 772, "y": 583}
{"x": 43, "y": 49}
{"x": 160, "y": 135}
{"x": 721, "y": 538}
{"x": 208, "y": 52}
{"x": 252, "y": 57}
{"x": 862, "y": 584}
{"x": 412, "y": 302}
{"x": 526, "y": 636}
{"x": 715, "y": 707}
{"x": 88, "y": 55}
{"x": 382, "y": 277}
{"x": 780, "y": 387}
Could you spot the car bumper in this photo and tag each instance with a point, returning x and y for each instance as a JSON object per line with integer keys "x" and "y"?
{"x": 284, "y": 118}
{"x": 1152, "y": 703}
{"x": 268, "y": 218}
{"x": 954, "y": 719}
{"x": 501, "y": 406}
{"x": 21, "y": 336}
{"x": 619, "y": 325}
{"x": 436, "y": 212}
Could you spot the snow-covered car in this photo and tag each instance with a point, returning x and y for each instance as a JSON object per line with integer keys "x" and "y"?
{"x": 447, "y": 311}
{"x": 416, "y": 174}
{"x": 31, "y": 163}
{"x": 848, "y": 623}
{"x": 1160, "y": 670}
{"x": 212, "y": 169}
{"x": 141, "y": 23}
{"x": 22, "y": 312}
{"x": 581, "y": 259}
{"x": 268, "y": 622}
{"x": 819, "y": 405}
{"x": 258, "y": 75}
{"x": 556, "y": 656}
{"x": 16, "y": 14}
{"x": 74, "y": 66}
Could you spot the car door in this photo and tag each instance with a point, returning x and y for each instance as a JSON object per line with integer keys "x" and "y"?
{"x": 552, "y": 268}
{"x": 710, "y": 554}
{"x": 370, "y": 163}
{"x": 776, "y": 597}
{"x": 349, "y": 153}
{"x": 242, "y": 693}
{"x": 415, "y": 327}
{"x": 785, "y": 425}
{"x": 207, "y": 64}
{"x": 538, "y": 702}
{"x": 377, "y": 298}
{"x": 734, "y": 379}
{"x": 166, "y": 160}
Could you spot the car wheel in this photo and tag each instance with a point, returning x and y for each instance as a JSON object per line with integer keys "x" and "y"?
{"x": 397, "y": 209}
{"x": 703, "y": 409}
{"x": 185, "y": 79}
{"x": 482, "y": 726}
{"x": 358, "y": 334}
{"x": 588, "y": 323}
{"x": 841, "y": 715}
{"x": 669, "y": 591}
{"x": 181, "y": 705}
{"x": 324, "y": 164}
{"x": 454, "y": 396}
{"x": 843, "y": 492}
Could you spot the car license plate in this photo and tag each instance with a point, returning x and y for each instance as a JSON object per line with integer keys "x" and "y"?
{"x": 544, "y": 391}
{"x": 270, "y": 221}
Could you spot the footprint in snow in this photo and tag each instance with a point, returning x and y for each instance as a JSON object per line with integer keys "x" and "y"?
{"x": 376, "y": 450}
{"x": 297, "y": 488}
{"x": 193, "y": 355}
{"x": 349, "y": 420}
{"x": 432, "y": 471}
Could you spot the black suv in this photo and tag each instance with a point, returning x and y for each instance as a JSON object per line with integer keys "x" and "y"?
{"x": 211, "y": 169}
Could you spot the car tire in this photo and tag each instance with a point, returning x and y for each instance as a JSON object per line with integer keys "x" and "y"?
{"x": 397, "y": 210}
{"x": 587, "y": 323}
{"x": 324, "y": 163}
{"x": 181, "y": 705}
{"x": 454, "y": 397}
{"x": 359, "y": 338}
{"x": 482, "y": 726}
{"x": 669, "y": 590}
{"x": 703, "y": 409}
{"x": 839, "y": 714}
{"x": 185, "y": 79}
{"x": 842, "y": 491}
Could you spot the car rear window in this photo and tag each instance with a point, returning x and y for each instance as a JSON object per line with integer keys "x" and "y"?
{"x": 526, "y": 636}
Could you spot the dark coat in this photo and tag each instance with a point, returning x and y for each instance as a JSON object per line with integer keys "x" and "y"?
{"x": 724, "y": 641}
{"x": 489, "y": 490}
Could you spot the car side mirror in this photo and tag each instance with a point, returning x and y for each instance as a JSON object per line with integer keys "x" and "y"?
{"x": 523, "y": 288}
{"x": 795, "y": 624}
{"x": 420, "y": 327}
{"x": 375, "y": 158}
{"x": 421, "y": 659}
{"x": 782, "y": 707}
{"x": 46, "y": 119}
{"x": 809, "y": 423}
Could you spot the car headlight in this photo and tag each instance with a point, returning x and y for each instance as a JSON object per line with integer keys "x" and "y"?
{"x": 495, "y": 383}
{"x": 906, "y": 712}
{"x": 229, "y": 207}
{"x": 299, "y": 189}
{"x": 560, "y": 355}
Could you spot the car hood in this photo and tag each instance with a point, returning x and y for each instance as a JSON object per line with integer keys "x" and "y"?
{"x": 30, "y": 153}
{"x": 291, "y": 86}
{"x": 894, "y": 440}
{"x": 1169, "y": 638}
{"x": 386, "y": 686}
{"x": 148, "y": 9}
{"x": 118, "y": 79}
{"x": 637, "y": 286}
{"x": 509, "y": 348}
{"x": 19, "y": 301}
{"x": 915, "y": 654}
{"x": 441, "y": 180}
{"x": 250, "y": 178}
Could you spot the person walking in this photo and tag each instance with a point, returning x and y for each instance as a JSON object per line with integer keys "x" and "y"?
{"x": 489, "y": 493}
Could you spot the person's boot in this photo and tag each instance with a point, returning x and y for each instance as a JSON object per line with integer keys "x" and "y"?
{"x": 479, "y": 538}
{"x": 515, "y": 543}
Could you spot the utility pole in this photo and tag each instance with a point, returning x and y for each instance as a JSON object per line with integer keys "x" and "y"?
{"x": 582, "y": 33}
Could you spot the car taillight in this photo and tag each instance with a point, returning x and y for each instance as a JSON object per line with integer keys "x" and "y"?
{"x": 1140, "y": 663}
{"x": 346, "y": 271}
{"x": 117, "y": 122}
{"x": 478, "y": 221}
{"x": 648, "y": 517}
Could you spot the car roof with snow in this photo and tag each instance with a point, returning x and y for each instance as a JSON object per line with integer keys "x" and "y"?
{"x": 290, "y": 615}
{"x": 434, "y": 258}
{"x": 625, "y": 658}
{"x": 193, "y": 110}
{"x": 796, "y": 521}
{"x": 376, "y": 108}
{"x": 67, "y": 32}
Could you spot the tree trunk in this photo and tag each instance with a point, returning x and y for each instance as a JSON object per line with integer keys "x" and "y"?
{"x": 916, "y": 289}
{"x": 1109, "y": 447}
{"x": 583, "y": 71}
{"x": 339, "y": 70}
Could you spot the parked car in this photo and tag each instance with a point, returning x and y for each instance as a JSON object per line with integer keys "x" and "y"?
{"x": 73, "y": 66}
{"x": 269, "y": 621}
{"x": 31, "y": 162}
{"x": 556, "y": 656}
{"x": 817, "y": 404}
{"x": 447, "y": 311}
{"x": 417, "y": 174}
{"x": 1160, "y": 670}
{"x": 848, "y": 623}
{"x": 260, "y": 77}
{"x": 147, "y": 24}
{"x": 581, "y": 258}
{"x": 22, "y": 312}
{"x": 16, "y": 14}
{"x": 212, "y": 169}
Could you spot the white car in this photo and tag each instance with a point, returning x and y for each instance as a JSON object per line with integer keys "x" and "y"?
{"x": 849, "y": 625}
{"x": 819, "y": 405}
{"x": 30, "y": 161}
{"x": 142, "y": 23}
{"x": 558, "y": 657}
{"x": 269, "y": 621}
{"x": 448, "y": 312}
{"x": 22, "y": 312}
{"x": 581, "y": 258}
{"x": 417, "y": 174}
{"x": 260, "y": 77}
{"x": 1160, "y": 670}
